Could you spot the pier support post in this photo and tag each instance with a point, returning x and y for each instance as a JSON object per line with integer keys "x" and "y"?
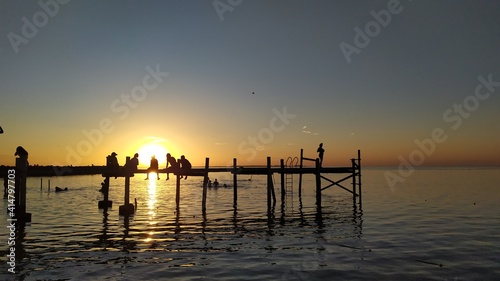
{"x": 318, "y": 183}
{"x": 359, "y": 175}
{"x": 354, "y": 173}
{"x": 300, "y": 171}
{"x": 283, "y": 191}
{"x": 20, "y": 189}
{"x": 235, "y": 184}
{"x": 127, "y": 208}
{"x": 269, "y": 183}
{"x": 177, "y": 190}
{"x": 105, "y": 203}
{"x": 205, "y": 183}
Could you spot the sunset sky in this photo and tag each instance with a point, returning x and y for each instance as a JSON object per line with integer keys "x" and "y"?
{"x": 81, "y": 79}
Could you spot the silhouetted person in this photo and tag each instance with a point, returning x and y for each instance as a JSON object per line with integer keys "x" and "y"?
{"x": 134, "y": 162}
{"x": 21, "y": 152}
{"x": 216, "y": 183}
{"x": 102, "y": 187}
{"x": 321, "y": 151}
{"x": 185, "y": 166}
{"x": 112, "y": 161}
{"x": 153, "y": 167}
{"x": 172, "y": 163}
{"x": 58, "y": 189}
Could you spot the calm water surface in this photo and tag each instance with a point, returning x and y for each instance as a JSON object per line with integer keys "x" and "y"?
{"x": 437, "y": 225}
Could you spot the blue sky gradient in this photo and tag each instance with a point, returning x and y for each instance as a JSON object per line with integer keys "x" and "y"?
{"x": 426, "y": 59}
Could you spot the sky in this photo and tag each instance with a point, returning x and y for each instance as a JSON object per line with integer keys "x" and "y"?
{"x": 405, "y": 81}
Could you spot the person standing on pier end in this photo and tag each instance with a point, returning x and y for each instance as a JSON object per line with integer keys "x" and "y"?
{"x": 320, "y": 151}
{"x": 153, "y": 167}
{"x": 185, "y": 166}
{"x": 173, "y": 164}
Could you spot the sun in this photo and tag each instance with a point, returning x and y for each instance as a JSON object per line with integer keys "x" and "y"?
{"x": 149, "y": 149}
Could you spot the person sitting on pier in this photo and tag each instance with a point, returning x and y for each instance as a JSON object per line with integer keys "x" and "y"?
{"x": 112, "y": 163}
{"x": 134, "y": 162}
{"x": 320, "y": 151}
{"x": 173, "y": 164}
{"x": 21, "y": 152}
{"x": 153, "y": 167}
{"x": 185, "y": 166}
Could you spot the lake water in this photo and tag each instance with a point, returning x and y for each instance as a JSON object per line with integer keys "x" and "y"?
{"x": 440, "y": 224}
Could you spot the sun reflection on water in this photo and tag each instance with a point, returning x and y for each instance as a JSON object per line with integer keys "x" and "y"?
{"x": 151, "y": 204}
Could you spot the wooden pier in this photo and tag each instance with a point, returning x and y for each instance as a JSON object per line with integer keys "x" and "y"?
{"x": 291, "y": 168}
{"x": 351, "y": 172}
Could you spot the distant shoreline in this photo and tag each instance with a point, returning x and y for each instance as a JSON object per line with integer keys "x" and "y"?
{"x": 53, "y": 171}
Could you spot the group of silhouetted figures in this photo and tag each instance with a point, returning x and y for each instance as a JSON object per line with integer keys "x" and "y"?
{"x": 181, "y": 166}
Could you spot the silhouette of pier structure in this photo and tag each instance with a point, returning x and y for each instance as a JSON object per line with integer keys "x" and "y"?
{"x": 286, "y": 171}
{"x": 14, "y": 179}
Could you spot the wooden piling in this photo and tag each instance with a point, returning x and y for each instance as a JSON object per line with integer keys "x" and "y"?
{"x": 300, "y": 171}
{"x": 318, "y": 183}
{"x": 177, "y": 190}
{"x": 20, "y": 189}
{"x": 269, "y": 183}
{"x": 127, "y": 208}
{"x": 354, "y": 169}
{"x": 235, "y": 184}
{"x": 359, "y": 176}
{"x": 105, "y": 202}
{"x": 273, "y": 194}
{"x": 283, "y": 191}
{"x": 126, "y": 200}
{"x": 205, "y": 183}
